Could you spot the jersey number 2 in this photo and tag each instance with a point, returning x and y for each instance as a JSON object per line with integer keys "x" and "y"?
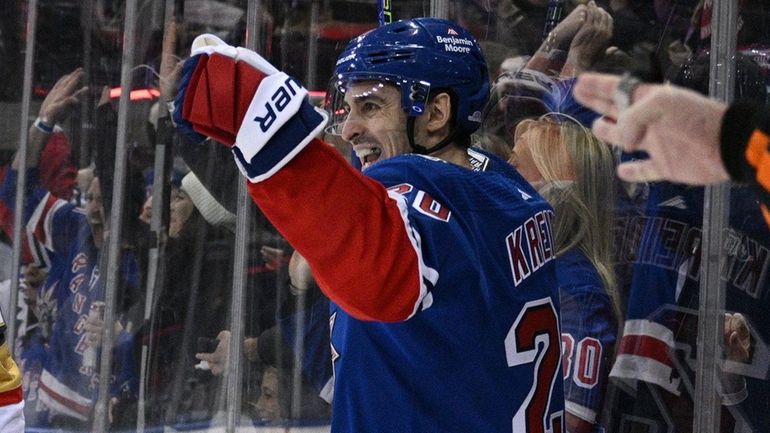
{"x": 534, "y": 339}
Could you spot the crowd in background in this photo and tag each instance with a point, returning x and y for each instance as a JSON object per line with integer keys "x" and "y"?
{"x": 628, "y": 255}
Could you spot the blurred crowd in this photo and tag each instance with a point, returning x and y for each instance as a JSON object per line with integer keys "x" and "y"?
{"x": 628, "y": 254}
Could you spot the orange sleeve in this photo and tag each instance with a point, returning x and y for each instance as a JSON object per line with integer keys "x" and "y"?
{"x": 745, "y": 148}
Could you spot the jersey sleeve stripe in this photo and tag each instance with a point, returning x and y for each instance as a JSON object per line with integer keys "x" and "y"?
{"x": 37, "y": 252}
{"x": 647, "y": 370}
{"x": 428, "y": 275}
{"x": 645, "y": 346}
{"x": 41, "y": 223}
{"x": 580, "y": 411}
{"x": 61, "y": 398}
{"x": 648, "y": 339}
{"x": 644, "y": 354}
{"x": 650, "y": 328}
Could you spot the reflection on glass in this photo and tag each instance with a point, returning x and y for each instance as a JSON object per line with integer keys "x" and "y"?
{"x": 176, "y": 273}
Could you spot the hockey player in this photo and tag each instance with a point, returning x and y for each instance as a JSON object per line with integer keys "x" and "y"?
{"x": 438, "y": 259}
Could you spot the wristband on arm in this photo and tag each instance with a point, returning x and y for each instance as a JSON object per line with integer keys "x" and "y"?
{"x": 41, "y": 124}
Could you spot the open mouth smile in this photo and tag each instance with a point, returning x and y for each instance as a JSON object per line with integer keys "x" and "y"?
{"x": 368, "y": 155}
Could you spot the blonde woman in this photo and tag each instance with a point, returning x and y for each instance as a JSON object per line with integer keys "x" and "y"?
{"x": 573, "y": 170}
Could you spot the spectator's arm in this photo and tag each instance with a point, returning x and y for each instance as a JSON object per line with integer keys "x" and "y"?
{"x": 590, "y": 42}
{"x": 550, "y": 57}
{"x": 54, "y": 109}
{"x": 35, "y": 144}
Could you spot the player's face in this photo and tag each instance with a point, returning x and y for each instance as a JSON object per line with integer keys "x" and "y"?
{"x": 180, "y": 209}
{"x": 521, "y": 154}
{"x": 376, "y": 123}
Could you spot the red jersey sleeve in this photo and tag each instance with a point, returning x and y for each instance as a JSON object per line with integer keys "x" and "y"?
{"x": 353, "y": 232}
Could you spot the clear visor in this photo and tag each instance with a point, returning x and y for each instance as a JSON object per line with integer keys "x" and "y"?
{"x": 336, "y": 106}
{"x": 413, "y": 96}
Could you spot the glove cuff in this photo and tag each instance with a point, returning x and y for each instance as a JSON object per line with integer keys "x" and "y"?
{"x": 190, "y": 76}
{"x": 287, "y": 142}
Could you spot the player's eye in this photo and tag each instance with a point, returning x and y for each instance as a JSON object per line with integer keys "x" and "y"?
{"x": 369, "y": 108}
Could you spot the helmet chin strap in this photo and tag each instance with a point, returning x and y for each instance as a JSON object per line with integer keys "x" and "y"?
{"x": 422, "y": 150}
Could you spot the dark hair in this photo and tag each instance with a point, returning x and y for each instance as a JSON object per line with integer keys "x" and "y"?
{"x": 104, "y": 156}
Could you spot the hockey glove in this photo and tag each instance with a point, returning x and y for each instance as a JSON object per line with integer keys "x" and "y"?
{"x": 236, "y": 97}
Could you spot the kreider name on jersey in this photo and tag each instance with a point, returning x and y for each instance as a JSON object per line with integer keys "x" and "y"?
{"x": 530, "y": 245}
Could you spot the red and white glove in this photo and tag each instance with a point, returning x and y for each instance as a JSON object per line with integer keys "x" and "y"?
{"x": 235, "y": 96}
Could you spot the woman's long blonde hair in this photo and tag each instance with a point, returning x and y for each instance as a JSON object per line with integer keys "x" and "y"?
{"x": 578, "y": 173}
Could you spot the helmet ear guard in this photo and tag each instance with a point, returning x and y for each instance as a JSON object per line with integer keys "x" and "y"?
{"x": 414, "y": 100}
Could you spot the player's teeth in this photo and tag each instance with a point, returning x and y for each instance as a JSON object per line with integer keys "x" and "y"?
{"x": 363, "y": 153}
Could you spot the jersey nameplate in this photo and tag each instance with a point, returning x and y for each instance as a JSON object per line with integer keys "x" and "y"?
{"x": 530, "y": 246}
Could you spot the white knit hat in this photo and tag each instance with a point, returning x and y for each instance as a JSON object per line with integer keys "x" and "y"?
{"x": 213, "y": 212}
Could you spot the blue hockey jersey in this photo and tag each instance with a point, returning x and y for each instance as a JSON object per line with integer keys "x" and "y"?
{"x": 659, "y": 339}
{"x": 445, "y": 302}
{"x": 308, "y": 330}
{"x": 588, "y": 330}
{"x": 32, "y": 356}
{"x": 60, "y": 230}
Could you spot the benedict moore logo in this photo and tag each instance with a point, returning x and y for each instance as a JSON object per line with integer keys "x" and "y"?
{"x": 278, "y": 102}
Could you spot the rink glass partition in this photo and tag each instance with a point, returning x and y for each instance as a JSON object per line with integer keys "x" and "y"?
{"x": 684, "y": 256}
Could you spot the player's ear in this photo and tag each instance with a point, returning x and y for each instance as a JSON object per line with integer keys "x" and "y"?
{"x": 439, "y": 112}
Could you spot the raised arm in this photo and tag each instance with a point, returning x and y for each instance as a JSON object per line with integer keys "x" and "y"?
{"x": 55, "y": 108}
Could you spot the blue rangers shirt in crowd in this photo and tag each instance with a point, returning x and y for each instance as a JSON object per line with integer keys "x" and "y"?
{"x": 60, "y": 234}
{"x": 589, "y": 330}
{"x": 658, "y": 346}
